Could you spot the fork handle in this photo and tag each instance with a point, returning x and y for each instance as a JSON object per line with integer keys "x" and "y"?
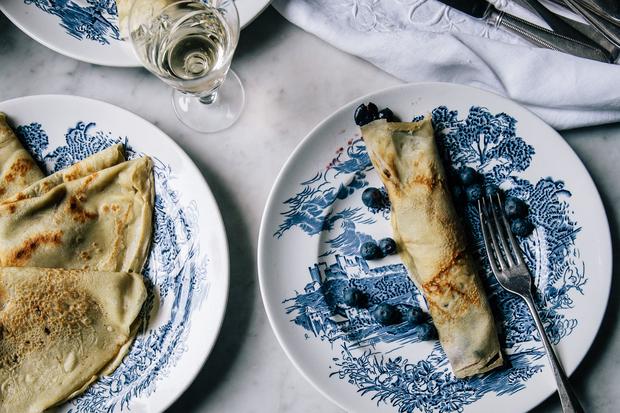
{"x": 568, "y": 398}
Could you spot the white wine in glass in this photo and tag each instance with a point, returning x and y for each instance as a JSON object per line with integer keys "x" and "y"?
{"x": 189, "y": 45}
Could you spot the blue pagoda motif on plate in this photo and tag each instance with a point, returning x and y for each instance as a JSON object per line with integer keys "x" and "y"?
{"x": 329, "y": 207}
{"x": 320, "y": 309}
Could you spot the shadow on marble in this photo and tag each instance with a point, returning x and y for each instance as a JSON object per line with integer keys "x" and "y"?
{"x": 7, "y": 30}
{"x": 243, "y": 278}
{"x": 260, "y": 33}
{"x": 241, "y": 298}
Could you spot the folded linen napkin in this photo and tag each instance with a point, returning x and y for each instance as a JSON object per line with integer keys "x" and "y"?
{"x": 424, "y": 40}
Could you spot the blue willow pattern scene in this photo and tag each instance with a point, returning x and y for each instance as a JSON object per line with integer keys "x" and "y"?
{"x": 96, "y": 20}
{"x": 175, "y": 273}
{"x": 328, "y": 207}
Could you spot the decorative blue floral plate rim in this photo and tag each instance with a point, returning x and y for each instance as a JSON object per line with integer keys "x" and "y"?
{"x": 187, "y": 271}
{"x": 314, "y": 223}
{"x": 87, "y": 30}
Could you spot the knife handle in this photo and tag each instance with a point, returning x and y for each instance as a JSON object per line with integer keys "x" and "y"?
{"x": 546, "y": 38}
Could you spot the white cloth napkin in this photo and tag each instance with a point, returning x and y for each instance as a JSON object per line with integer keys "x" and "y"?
{"x": 424, "y": 40}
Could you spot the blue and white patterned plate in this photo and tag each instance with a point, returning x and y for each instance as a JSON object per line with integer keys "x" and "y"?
{"x": 87, "y": 30}
{"x": 315, "y": 222}
{"x": 188, "y": 262}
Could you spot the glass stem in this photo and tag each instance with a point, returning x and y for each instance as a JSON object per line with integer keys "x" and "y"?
{"x": 208, "y": 99}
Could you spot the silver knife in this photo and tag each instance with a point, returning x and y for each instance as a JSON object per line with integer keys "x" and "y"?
{"x": 603, "y": 8}
{"x": 571, "y": 28}
{"x": 540, "y": 36}
{"x": 607, "y": 29}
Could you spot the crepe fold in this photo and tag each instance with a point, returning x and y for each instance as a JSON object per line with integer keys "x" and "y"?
{"x": 60, "y": 330}
{"x": 17, "y": 168}
{"x": 102, "y": 221}
{"x": 432, "y": 243}
{"x": 101, "y": 160}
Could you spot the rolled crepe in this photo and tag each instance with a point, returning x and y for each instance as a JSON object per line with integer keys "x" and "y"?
{"x": 60, "y": 330}
{"x": 102, "y": 221}
{"x": 432, "y": 243}
{"x": 17, "y": 168}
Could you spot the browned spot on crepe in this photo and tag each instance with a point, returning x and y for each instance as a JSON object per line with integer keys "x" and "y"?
{"x": 20, "y": 255}
{"x": 20, "y": 168}
{"x": 74, "y": 173}
{"x": 76, "y": 210}
{"x": 87, "y": 181}
{"x": 442, "y": 284}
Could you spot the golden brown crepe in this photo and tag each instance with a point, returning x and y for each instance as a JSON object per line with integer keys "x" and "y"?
{"x": 96, "y": 162}
{"x": 432, "y": 243}
{"x": 17, "y": 168}
{"x": 59, "y": 331}
{"x": 100, "y": 222}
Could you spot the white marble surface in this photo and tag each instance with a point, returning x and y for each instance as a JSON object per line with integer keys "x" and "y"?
{"x": 293, "y": 80}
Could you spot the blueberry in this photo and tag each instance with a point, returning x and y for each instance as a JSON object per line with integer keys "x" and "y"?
{"x": 365, "y": 114}
{"x": 370, "y": 251}
{"x": 388, "y": 246}
{"x": 427, "y": 332}
{"x": 468, "y": 176}
{"x": 342, "y": 193}
{"x": 354, "y": 297}
{"x": 458, "y": 194}
{"x": 491, "y": 190}
{"x": 373, "y": 110}
{"x": 386, "y": 314}
{"x": 373, "y": 198}
{"x": 473, "y": 192}
{"x": 515, "y": 208}
{"x": 388, "y": 115}
{"x": 414, "y": 315}
{"x": 521, "y": 227}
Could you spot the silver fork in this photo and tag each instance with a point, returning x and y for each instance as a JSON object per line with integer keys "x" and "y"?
{"x": 509, "y": 268}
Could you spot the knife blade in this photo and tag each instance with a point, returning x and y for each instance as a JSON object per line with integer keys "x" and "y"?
{"x": 482, "y": 9}
{"x": 584, "y": 30}
{"x": 610, "y": 31}
{"x": 611, "y": 15}
{"x": 556, "y": 22}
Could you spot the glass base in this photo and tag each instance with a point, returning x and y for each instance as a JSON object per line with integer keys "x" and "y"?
{"x": 214, "y": 113}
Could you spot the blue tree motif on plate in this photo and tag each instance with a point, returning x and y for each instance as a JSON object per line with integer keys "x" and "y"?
{"x": 176, "y": 271}
{"x": 489, "y": 143}
{"x": 96, "y": 20}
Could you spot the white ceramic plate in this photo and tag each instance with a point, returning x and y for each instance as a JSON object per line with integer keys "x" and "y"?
{"x": 188, "y": 261}
{"x": 87, "y": 30}
{"x": 314, "y": 223}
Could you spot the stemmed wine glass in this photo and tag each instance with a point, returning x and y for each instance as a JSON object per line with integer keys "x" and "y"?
{"x": 189, "y": 44}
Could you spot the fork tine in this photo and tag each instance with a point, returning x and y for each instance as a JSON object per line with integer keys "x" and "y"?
{"x": 502, "y": 229}
{"x": 487, "y": 244}
{"x": 513, "y": 241}
{"x": 491, "y": 231}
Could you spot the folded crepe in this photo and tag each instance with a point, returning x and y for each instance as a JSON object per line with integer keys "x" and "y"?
{"x": 432, "y": 243}
{"x": 101, "y": 160}
{"x": 101, "y": 221}
{"x": 60, "y": 330}
{"x": 17, "y": 168}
